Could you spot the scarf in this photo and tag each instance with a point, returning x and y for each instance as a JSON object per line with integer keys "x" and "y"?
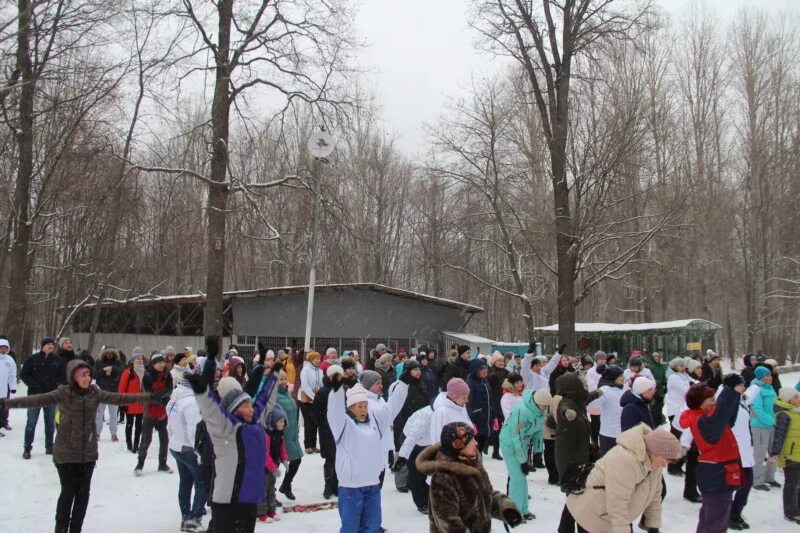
{"x": 139, "y": 370}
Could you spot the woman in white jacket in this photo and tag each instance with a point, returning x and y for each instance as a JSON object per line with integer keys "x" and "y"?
{"x": 450, "y": 407}
{"x": 357, "y": 433}
{"x": 677, "y": 385}
{"x": 610, "y": 409}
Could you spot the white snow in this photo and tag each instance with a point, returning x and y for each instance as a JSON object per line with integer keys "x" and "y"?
{"x": 121, "y": 503}
{"x": 603, "y": 327}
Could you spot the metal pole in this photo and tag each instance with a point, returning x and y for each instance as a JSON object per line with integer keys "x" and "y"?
{"x": 312, "y": 276}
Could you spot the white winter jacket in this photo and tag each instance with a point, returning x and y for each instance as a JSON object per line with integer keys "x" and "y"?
{"x": 8, "y": 375}
{"x": 310, "y": 379}
{"x": 593, "y": 379}
{"x": 375, "y": 403}
{"x": 610, "y": 411}
{"x": 417, "y": 431}
{"x": 645, "y": 373}
{"x": 508, "y": 401}
{"x": 445, "y": 411}
{"x": 677, "y": 385}
{"x": 183, "y": 415}
{"x": 357, "y": 463}
{"x": 534, "y": 381}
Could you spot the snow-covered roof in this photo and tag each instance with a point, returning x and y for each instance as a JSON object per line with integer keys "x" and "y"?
{"x": 604, "y": 327}
{"x": 294, "y": 289}
{"x": 468, "y": 338}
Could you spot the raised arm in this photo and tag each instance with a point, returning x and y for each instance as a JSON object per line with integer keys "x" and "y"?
{"x": 551, "y": 365}
{"x": 337, "y": 413}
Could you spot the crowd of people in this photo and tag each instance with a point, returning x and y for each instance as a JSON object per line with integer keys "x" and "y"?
{"x": 605, "y": 433}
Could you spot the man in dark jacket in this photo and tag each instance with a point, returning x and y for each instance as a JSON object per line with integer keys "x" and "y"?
{"x": 429, "y": 378}
{"x": 42, "y": 373}
{"x": 374, "y": 355}
{"x": 156, "y": 379}
{"x": 748, "y": 372}
{"x": 65, "y": 353}
{"x": 107, "y": 372}
{"x": 458, "y": 368}
{"x": 480, "y": 402}
{"x": 327, "y": 445}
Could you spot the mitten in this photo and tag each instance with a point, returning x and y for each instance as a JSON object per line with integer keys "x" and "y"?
{"x": 532, "y": 347}
{"x": 198, "y": 382}
{"x": 526, "y": 468}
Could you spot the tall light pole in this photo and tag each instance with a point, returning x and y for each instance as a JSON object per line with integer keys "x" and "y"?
{"x": 320, "y": 146}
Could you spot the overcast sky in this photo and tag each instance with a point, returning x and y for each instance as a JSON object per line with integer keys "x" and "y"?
{"x": 421, "y": 51}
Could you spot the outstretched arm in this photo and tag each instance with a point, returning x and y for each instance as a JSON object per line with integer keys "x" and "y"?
{"x": 37, "y": 400}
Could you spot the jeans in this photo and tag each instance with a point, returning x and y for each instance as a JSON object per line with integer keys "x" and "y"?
{"x": 133, "y": 425}
{"x": 715, "y": 513}
{"x": 76, "y": 478}
{"x": 112, "y": 418}
{"x": 49, "y": 425}
{"x": 517, "y": 480}
{"x": 417, "y": 483}
{"x": 791, "y": 489}
{"x": 763, "y": 471}
{"x": 360, "y": 509}
{"x": 190, "y": 475}
{"x": 740, "y": 497}
{"x": 232, "y": 518}
{"x": 148, "y": 425}
{"x": 309, "y": 425}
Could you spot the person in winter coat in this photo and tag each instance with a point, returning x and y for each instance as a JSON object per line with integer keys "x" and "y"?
{"x": 42, "y": 373}
{"x": 719, "y": 470}
{"x": 636, "y": 368}
{"x": 512, "y": 393}
{"x": 459, "y": 368}
{"x": 8, "y": 381}
{"x": 416, "y": 399}
{"x": 130, "y": 382}
{"x": 744, "y": 439}
{"x": 374, "y": 355}
{"x": 762, "y": 425}
{"x": 417, "y": 438}
{"x": 276, "y": 456}
{"x": 521, "y": 432}
{"x": 75, "y": 449}
{"x": 480, "y": 402}
{"x": 536, "y": 370}
{"x": 495, "y": 378}
{"x": 291, "y": 434}
{"x": 429, "y": 378}
{"x": 678, "y": 384}
{"x": 288, "y": 367}
{"x": 358, "y": 433}
{"x": 461, "y": 495}
{"x": 385, "y": 368}
{"x": 450, "y": 406}
{"x": 659, "y": 372}
{"x": 611, "y": 386}
{"x": 785, "y": 449}
{"x": 107, "y": 373}
{"x": 636, "y": 405}
{"x": 183, "y": 417}
{"x": 772, "y": 365}
{"x": 626, "y": 483}
{"x": 232, "y": 423}
{"x": 748, "y": 372}
{"x": 564, "y": 367}
{"x": 156, "y": 379}
{"x": 310, "y": 383}
{"x": 712, "y": 373}
{"x": 572, "y": 423}
{"x": 66, "y": 353}
{"x": 327, "y": 445}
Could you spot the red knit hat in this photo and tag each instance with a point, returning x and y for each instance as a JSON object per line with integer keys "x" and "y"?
{"x": 697, "y": 394}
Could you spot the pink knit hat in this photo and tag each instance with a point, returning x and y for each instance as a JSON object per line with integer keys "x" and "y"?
{"x": 496, "y": 356}
{"x": 663, "y": 443}
{"x": 456, "y": 388}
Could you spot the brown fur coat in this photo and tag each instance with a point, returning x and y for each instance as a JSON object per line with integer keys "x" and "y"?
{"x": 461, "y": 496}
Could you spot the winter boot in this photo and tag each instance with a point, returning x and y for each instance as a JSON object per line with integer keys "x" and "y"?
{"x": 496, "y": 454}
{"x": 26, "y": 454}
{"x": 139, "y": 467}
{"x": 286, "y": 490}
{"x": 48, "y": 450}
{"x": 164, "y": 467}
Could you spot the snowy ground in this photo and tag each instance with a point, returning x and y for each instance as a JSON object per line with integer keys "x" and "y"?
{"x": 121, "y": 503}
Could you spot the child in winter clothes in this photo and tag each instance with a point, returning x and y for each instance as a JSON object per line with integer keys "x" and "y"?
{"x": 610, "y": 410}
{"x": 786, "y": 449}
{"x": 232, "y": 424}
{"x": 762, "y": 425}
{"x": 75, "y": 448}
{"x": 461, "y": 495}
{"x": 276, "y": 456}
{"x": 156, "y": 379}
{"x": 131, "y": 382}
{"x": 290, "y": 434}
{"x": 357, "y": 432}
{"x": 521, "y": 432}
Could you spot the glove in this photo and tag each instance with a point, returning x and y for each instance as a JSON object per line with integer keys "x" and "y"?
{"x": 532, "y": 347}
{"x": 526, "y": 468}
{"x": 405, "y": 377}
{"x": 197, "y": 381}
{"x": 512, "y": 516}
{"x": 161, "y": 396}
{"x": 398, "y": 465}
{"x": 13, "y": 392}
{"x": 336, "y": 382}
{"x": 285, "y": 465}
{"x": 562, "y": 348}
{"x": 732, "y": 380}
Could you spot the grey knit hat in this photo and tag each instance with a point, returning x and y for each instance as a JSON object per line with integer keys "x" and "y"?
{"x": 369, "y": 378}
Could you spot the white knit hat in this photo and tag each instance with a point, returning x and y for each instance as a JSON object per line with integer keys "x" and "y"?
{"x": 227, "y": 384}
{"x": 333, "y": 370}
{"x": 642, "y": 384}
{"x": 356, "y": 394}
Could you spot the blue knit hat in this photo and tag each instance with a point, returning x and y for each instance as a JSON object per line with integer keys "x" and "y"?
{"x": 762, "y": 372}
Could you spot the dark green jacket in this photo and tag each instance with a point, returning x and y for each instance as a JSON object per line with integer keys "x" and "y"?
{"x": 659, "y": 371}
{"x": 290, "y": 434}
{"x": 572, "y": 422}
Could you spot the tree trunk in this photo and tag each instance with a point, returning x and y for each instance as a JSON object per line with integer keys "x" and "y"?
{"x": 16, "y": 320}
{"x": 217, "y": 196}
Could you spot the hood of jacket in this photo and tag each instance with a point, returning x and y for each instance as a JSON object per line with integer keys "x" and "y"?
{"x": 432, "y": 459}
{"x": 109, "y": 351}
{"x": 475, "y": 366}
{"x": 629, "y": 397}
{"x": 633, "y": 441}
{"x": 72, "y": 366}
{"x": 569, "y": 386}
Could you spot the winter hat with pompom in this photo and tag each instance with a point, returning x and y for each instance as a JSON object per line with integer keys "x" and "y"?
{"x": 787, "y": 394}
{"x": 456, "y": 388}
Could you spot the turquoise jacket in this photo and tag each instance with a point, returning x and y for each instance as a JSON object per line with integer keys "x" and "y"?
{"x": 290, "y": 435}
{"x": 523, "y": 428}
{"x": 762, "y": 410}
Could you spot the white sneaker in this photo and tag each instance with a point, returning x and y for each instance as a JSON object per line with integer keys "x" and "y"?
{"x": 194, "y": 525}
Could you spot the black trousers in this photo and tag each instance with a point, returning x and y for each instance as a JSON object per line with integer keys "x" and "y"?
{"x": 133, "y": 431}
{"x": 294, "y": 466}
{"x": 690, "y": 481}
{"x": 329, "y": 473}
{"x": 76, "y": 478}
{"x": 550, "y": 460}
{"x": 483, "y": 442}
{"x": 678, "y": 465}
{"x": 568, "y": 523}
{"x": 232, "y": 518}
{"x": 4, "y": 414}
{"x": 148, "y": 425}
{"x": 417, "y": 483}
{"x": 595, "y": 434}
{"x": 309, "y": 425}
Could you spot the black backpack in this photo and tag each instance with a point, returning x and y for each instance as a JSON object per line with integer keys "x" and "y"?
{"x": 574, "y": 480}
